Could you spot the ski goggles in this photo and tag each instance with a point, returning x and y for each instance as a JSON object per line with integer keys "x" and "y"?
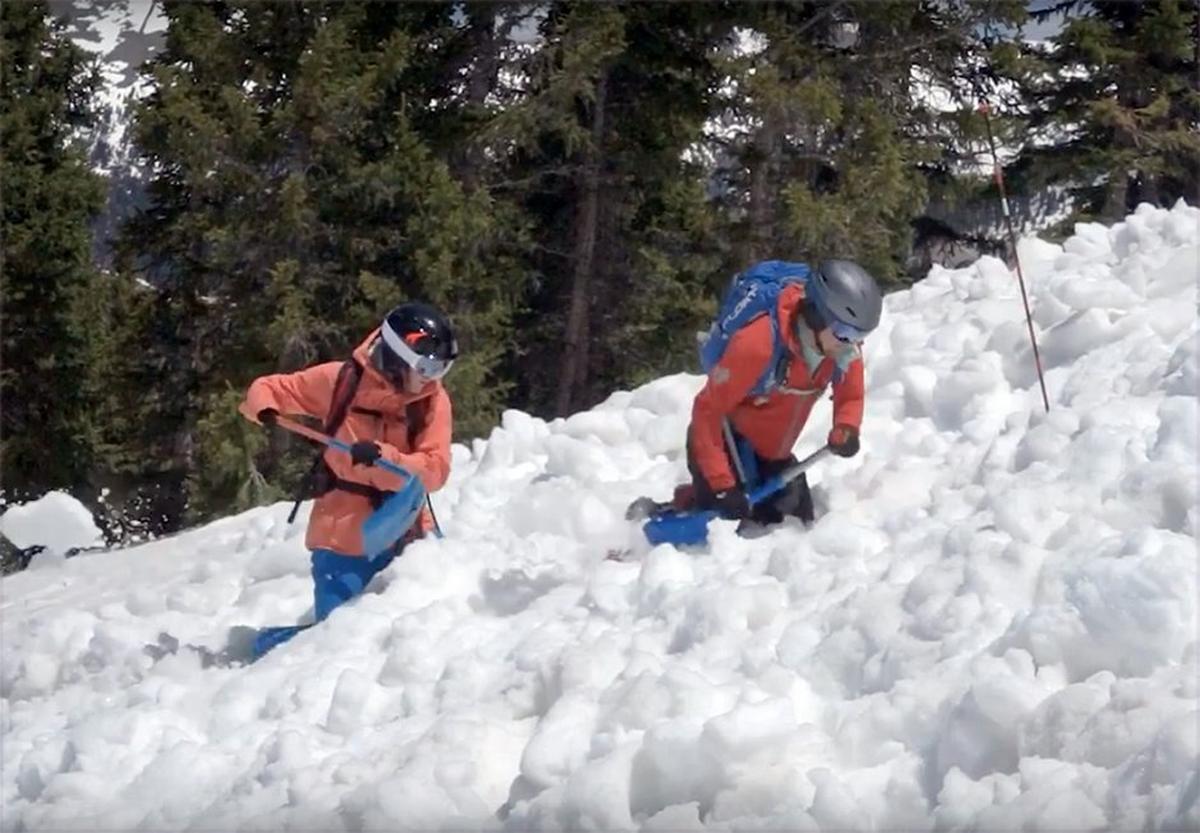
{"x": 427, "y": 367}
{"x": 847, "y": 332}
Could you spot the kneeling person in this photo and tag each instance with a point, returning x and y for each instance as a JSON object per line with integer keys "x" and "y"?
{"x": 759, "y": 394}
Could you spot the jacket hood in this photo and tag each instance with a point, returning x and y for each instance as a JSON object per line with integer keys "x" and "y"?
{"x": 362, "y": 354}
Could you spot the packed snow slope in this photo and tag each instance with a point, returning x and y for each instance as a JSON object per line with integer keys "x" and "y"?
{"x": 993, "y": 625}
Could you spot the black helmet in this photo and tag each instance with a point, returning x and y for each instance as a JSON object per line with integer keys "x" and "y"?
{"x": 847, "y": 298}
{"x": 417, "y": 336}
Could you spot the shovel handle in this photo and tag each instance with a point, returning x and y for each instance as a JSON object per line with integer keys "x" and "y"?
{"x": 774, "y": 484}
{"x": 313, "y": 434}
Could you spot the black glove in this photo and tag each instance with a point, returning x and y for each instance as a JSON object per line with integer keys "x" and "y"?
{"x": 364, "y": 453}
{"x": 843, "y": 440}
{"x": 266, "y": 416}
{"x": 732, "y": 503}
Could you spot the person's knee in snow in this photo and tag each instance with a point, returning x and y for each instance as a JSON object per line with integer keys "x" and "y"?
{"x": 339, "y": 578}
{"x": 793, "y": 501}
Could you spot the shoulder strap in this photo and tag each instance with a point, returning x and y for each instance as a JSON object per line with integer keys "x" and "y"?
{"x": 777, "y": 366}
{"x": 344, "y": 388}
{"x": 343, "y": 394}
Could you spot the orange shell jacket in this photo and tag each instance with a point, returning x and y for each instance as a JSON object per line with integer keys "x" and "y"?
{"x": 378, "y": 413}
{"x": 770, "y": 423}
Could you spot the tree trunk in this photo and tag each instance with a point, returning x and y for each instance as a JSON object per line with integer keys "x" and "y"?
{"x": 574, "y": 364}
{"x": 1196, "y": 48}
{"x": 765, "y": 156}
{"x": 1115, "y": 197}
{"x": 481, "y": 80}
{"x": 1116, "y": 191}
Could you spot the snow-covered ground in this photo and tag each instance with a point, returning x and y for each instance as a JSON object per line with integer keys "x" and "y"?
{"x": 993, "y": 626}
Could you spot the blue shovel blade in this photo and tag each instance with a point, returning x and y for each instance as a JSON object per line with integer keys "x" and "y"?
{"x": 679, "y": 528}
{"x": 389, "y": 522}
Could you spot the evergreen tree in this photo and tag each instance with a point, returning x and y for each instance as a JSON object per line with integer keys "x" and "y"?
{"x": 828, "y": 143}
{"x": 614, "y": 94}
{"x": 1113, "y": 104}
{"x": 49, "y": 197}
{"x": 662, "y": 252}
{"x": 591, "y": 188}
{"x": 292, "y": 205}
{"x": 134, "y": 490}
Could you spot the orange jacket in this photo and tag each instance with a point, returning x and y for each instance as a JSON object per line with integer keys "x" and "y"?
{"x": 377, "y": 412}
{"x": 770, "y": 423}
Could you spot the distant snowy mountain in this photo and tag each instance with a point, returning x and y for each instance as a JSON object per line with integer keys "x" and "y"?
{"x": 992, "y": 625}
{"x": 122, "y": 34}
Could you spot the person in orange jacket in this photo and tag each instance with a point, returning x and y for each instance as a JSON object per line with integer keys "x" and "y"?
{"x": 397, "y": 409}
{"x": 736, "y": 439}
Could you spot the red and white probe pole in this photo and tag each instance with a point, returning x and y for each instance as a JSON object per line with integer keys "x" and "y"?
{"x": 1012, "y": 239}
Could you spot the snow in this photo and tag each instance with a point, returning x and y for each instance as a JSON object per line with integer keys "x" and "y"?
{"x": 55, "y": 521}
{"x": 991, "y": 626}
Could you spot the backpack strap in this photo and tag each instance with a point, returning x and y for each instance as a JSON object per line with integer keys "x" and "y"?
{"x": 343, "y": 398}
{"x": 414, "y": 413}
{"x": 343, "y": 394}
{"x": 777, "y": 367}
{"x": 344, "y": 388}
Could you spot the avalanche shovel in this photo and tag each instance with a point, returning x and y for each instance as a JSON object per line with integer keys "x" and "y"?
{"x": 685, "y": 528}
{"x": 393, "y": 518}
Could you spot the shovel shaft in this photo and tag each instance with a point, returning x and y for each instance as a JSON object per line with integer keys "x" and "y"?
{"x": 313, "y": 434}
{"x": 773, "y": 484}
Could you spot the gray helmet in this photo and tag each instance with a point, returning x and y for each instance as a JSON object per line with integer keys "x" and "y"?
{"x": 847, "y": 295}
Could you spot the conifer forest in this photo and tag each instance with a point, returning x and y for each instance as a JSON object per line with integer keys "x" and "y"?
{"x": 574, "y": 182}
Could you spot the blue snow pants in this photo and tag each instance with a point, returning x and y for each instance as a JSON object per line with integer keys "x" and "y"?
{"x": 337, "y": 579}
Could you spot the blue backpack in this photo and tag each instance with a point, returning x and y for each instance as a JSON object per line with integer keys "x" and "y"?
{"x": 753, "y": 293}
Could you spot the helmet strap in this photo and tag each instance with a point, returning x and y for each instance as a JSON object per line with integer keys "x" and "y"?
{"x": 812, "y": 316}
